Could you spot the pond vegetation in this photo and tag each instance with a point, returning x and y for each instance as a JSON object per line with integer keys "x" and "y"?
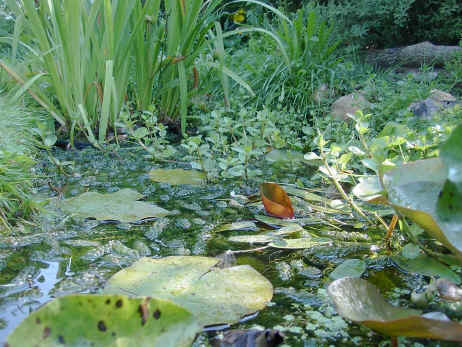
{"x": 177, "y": 173}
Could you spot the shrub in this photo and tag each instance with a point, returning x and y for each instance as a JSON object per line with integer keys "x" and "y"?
{"x": 391, "y": 23}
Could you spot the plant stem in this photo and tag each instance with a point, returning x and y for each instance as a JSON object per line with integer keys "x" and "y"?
{"x": 341, "y": 190}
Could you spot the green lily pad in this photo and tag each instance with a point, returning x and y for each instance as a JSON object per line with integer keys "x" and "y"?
{"x": 212, "y": 294}
{"x": 427, "y": 266}
{"x": 268, "y": 236}
{"x": 261, "y": 238}
{"x": 370, "y": 190}
{"x": 349, "y": 268}
{"x": 244, "y": 225}
{"x": 360, "y": 301}
{"x": 178, "y": 176}
{"x": 306, "y": 195}
{"x": 106, "y": 320}
{"x": 301, "y": 243}
{"x": 121, "y": 206}
{"x": 272, "y": 221}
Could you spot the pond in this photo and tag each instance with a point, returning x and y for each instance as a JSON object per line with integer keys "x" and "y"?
{"x": 61, "y": 254}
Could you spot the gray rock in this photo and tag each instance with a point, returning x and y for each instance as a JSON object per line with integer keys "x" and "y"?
{"x": 436, "y": 102}
{"x": 349, "y": 104}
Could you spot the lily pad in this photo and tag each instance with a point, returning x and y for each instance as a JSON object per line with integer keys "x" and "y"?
{"x": 272, "y": 221}
{"x": 178, "y": 176}
{"x": 261, "y": 238}
{"x": 360, "y": 301}
{"x": 349, "y": 268}
{"x": 212, "y": 294}
{"x": 301, "y": 243}
{"x": 121, "y": 206}
{"x": 306, "y": 195}
{"x": 276, "y": 201}
{"x": 268, "y": 236}
{"x": 244, "y": 225}
{"x": 106, "y": 320}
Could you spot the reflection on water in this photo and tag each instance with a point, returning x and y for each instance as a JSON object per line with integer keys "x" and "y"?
{"x": 27, "y": 292}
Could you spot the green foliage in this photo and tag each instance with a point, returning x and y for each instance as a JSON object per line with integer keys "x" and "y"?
{"x": 386, "y": 23}
{"x": 293, "y": 57}
{"x": 89, "y": 50}
{"x": 230, "y": 141}
{"x": 16, "y": 161}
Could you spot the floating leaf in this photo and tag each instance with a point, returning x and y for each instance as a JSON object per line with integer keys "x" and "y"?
{"x": 288, "y": 229}
{"x": 244, "y": 225}
{"x": 276, "y": 201}
{"x": 306, "y": 195}
{"x": 121, "y": 206}
{"x": 106, "y": 320}
{"x": 178, "y": 176}
{"x": 425, "y": 265}
{"x": 262, "y": 238}
{"x": 349, "y": 268}
{"x": 212, "y": 294}
{"x": 268, "y": 236}
{"x": 271, "y": 221}
{"x": 370, "y": 190}
{"x": 301, "y": 243}
{"x": 361, "y": 302}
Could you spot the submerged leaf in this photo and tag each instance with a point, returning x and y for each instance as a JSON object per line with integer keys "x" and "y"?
{"x": 178, "y": 176}
{"x": 425, "y": 265}
{"x": 349, "y": 268}
{"x": 106, "y": 320}
{"x": 360, "y": 301}
{"x": 212, "y": 294}
{"x": 276, "y": 201}
{"x": 121, "y": 206}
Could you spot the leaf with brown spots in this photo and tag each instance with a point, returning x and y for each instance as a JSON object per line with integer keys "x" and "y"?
{"x": 101, "y": 323}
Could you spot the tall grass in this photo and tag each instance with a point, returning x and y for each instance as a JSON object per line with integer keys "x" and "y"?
{"x": 88, "y": 50}
{"x": 16, "y": 161}
{"x": 84, "y": 49}
{"x": 307, "y": 56}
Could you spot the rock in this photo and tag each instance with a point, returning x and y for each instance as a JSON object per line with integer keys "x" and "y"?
{"x": 412, "y": 56}
{"x": 322, "y": 94}
{"x": 348, "y": 104}
{"x": 436, "y": 102}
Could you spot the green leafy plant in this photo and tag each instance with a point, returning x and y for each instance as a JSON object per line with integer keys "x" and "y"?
{"x": 386, "y": 23}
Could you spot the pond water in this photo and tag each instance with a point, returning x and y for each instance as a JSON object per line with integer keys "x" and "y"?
{"x": 60, "y": 255}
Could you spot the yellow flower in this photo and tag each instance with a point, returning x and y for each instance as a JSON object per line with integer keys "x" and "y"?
{"x": 238, "y": 16}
